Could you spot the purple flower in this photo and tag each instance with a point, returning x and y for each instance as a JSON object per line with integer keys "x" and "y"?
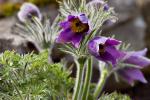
{"x": 104, "y": 49}
{"x": 130, "y": 74}
{"x": 74, "y": 29}
{"x": 98, "y": 3}
{"x": 28, "y": 10}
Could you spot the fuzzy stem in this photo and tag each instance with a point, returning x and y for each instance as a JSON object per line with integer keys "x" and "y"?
{"x": 77, "y": 85}
{"x": 80, "y": 65}
{"x": 81, "y": 86}
{"x": 54, "y": 97}
{"x": 100, "y": 85}
{"x": 87, "y": 80}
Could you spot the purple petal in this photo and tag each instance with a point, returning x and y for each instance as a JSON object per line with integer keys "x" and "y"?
{"x": 76, "y": 40}
{"x": 107, "y": 57}
{"x": 141, "y": 53}
{"x": 112, "y": 42}
{"x": 64, "y": 24}
{"x": 68, "y": 36}
{"x": 114, "y": 52}
{"x": 138, "y": 60}
{"x": 100, "y": 40}
{"x": 71, "y": 17}
{"x": 92, "y": 46}
{"x": 83, "y": 18}
{"x": 131, "y": 74}
{"x": 65, "y": 36}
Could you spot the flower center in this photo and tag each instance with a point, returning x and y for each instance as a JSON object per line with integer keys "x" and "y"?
{"x": 101, "y": 49}
{"x": 78, "y": 27}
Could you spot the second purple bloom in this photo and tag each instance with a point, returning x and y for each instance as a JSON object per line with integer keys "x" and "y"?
{"x": 136, "y": 58}
{"x": 104, "y": 49}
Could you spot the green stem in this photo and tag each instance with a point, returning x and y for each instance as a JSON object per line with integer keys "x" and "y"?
{"x": 54, "y": 97}
{"x": 100, "y": 85}
{"x": 81, "y": 86}
{"x": 87, "y": 80}
{"x": 78, "y": 84}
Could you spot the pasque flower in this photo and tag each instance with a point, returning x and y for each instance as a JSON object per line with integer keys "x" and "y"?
{"x": 28, "y": 10}
{"x": 104, "y": 49}
{"x": 137, "y": 58}
{"x": 74, "y": 29}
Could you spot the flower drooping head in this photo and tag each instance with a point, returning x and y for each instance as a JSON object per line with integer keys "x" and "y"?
{"x": 74, "y": 28}
{"x": 104, "y": 49}
{"x": 130, "y": 74}
{"x": 27, "y": 11}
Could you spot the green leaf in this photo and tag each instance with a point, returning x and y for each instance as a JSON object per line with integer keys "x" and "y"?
{"x": 31, "y": 76}
{"x": 114, "y": 96}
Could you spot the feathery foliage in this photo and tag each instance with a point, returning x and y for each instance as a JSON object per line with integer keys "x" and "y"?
{"x": 114, "y": 96}
{"x": 31, "y": 77}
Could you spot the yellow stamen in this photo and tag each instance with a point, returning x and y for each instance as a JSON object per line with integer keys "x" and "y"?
{"x": 78, "y": 27}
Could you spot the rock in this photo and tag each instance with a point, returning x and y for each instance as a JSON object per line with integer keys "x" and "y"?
{"x": 130, "y": 27}
{"x": 146, "y": 14}
{"x": 6, "y": 24}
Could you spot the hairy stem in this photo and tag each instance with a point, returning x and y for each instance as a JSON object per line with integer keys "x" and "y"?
{"x": 100, "y": 85}
{"x": 87, "y": 80}
{"x": 80, "y": 65}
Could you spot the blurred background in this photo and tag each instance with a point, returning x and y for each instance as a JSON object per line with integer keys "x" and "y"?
{"x": 133, "y": 26}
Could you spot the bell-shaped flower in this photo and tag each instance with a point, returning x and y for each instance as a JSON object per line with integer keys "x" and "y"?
{"x": 137, "y": 59}
{"x": 104, "y": 49}
{"x": 74, "y": 28}
{"x": 27, "y": 11}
